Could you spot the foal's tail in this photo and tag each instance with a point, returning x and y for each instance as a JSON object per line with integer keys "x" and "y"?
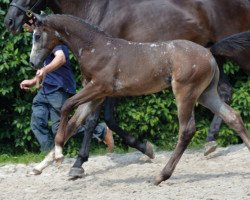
{"x": 232, "y": 46}
{"x": 213, "y": 85}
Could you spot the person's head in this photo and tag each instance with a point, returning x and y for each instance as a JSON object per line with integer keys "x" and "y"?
{"x": 29, "y": 27}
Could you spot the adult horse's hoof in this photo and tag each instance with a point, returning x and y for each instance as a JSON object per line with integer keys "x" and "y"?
{"x": 35, "y": 172}
{"x": 76, "y": 172}
{"x": 150, "y": 150}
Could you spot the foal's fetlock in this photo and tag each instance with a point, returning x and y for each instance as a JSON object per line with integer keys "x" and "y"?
{"x": 59, "y": 159}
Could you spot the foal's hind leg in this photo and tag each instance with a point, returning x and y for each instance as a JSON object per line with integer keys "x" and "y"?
{"x": 109, "y": 118}
{"x": 225, "y": 92}
{"x": 211, "y": 100}
{"x": 185, "y": 105}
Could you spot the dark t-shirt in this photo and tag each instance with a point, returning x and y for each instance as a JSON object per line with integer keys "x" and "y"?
{"x": 62, "y": 78}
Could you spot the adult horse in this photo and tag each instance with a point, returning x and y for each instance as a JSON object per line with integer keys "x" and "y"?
{"x": 203, "y": 22}
{"x": 134, "y": 69}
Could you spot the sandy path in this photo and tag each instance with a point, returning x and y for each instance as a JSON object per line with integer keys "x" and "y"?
{"x": 225, "y": 175}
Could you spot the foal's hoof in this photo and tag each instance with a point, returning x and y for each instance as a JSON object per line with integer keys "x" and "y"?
{"x": 150, "y": 150}
{"x": 158, "y": 179}
{"x": 210, "y": 147}
{"x": 35, "y": 172}
{"x": 59, "y": 160}
{"x": 76, "y": 172}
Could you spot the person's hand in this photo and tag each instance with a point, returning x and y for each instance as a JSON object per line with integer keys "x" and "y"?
{"x": 27, "y": 84}
{"x": 41, "y": 73}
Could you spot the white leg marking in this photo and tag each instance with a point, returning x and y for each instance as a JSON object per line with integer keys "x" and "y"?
{"x": 58, "y": 152}
{"x": 48, "y": 160}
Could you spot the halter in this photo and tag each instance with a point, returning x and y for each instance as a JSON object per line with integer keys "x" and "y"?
{"x": 28, "y": 12}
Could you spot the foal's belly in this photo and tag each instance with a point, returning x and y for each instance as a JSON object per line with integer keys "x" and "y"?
{"x": 138, "y": 88}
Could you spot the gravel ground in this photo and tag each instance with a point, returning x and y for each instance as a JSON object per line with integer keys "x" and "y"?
{"x": 223, "y": 175}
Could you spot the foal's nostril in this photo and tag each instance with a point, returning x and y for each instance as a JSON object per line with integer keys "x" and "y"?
{"x": 32, "y": 64}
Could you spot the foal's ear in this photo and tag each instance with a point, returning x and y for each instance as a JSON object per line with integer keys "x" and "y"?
{"x": 39, "y": 19}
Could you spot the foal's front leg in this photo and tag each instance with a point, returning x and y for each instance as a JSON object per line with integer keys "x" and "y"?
{"x": 75, "y": 121}
{"x": 93, "y": 94}
{"x": 82, "y": 112}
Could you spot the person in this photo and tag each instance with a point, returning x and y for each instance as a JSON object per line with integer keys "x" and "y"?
{"x": 58, "y": 85}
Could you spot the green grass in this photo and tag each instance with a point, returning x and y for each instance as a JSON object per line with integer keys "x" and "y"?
{"x": 25, "y": 158}
{"x": 96, "y": 149}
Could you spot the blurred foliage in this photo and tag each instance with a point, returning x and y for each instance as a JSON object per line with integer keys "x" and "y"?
{"x": 152, "y": 117}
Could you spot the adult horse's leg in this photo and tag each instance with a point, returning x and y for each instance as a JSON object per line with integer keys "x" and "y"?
{"x": 110, "y": 104}
{"x": 90, "y": 124}
{"x": 185, "y": 99}
{"x": 225, "y": 92}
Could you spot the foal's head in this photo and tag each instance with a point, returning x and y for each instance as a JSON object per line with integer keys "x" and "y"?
{"x": 44, "y": 40}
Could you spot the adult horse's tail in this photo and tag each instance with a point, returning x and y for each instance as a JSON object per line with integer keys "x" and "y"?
{"x": 235, "y": 48}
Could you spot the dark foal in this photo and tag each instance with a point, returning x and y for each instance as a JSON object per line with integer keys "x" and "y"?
{"x": 135, "y": 69}
{"x": 201, "y": 21}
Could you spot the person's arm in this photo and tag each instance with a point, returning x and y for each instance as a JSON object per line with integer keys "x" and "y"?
{"x": 27, "y": 84}
{"x": 56, "y": 63}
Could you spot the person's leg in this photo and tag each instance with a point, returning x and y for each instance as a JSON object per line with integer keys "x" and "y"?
{"x": 56, "y": 101}
{"x": 39, "y": 122}
{"x": 101, "y": 133}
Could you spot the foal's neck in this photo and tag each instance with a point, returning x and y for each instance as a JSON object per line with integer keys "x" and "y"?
{"x": 79, "y": 35}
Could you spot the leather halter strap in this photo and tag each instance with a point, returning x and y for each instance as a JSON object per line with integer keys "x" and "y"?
{"x": 28, "y": 12}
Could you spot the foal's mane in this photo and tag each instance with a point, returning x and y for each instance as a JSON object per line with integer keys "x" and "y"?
{"x": 58, "y": 20}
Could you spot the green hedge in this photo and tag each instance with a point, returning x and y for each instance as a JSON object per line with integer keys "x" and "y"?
{"x": 151, "y": 117}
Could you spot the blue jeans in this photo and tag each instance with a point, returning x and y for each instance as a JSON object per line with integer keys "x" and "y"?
{"x": 47, "y": 108}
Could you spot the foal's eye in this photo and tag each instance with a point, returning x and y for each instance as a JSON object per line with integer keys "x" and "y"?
{"x": 37, "y": 37}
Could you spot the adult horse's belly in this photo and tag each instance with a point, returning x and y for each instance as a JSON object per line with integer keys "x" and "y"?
{"x": 157, "y": 22}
